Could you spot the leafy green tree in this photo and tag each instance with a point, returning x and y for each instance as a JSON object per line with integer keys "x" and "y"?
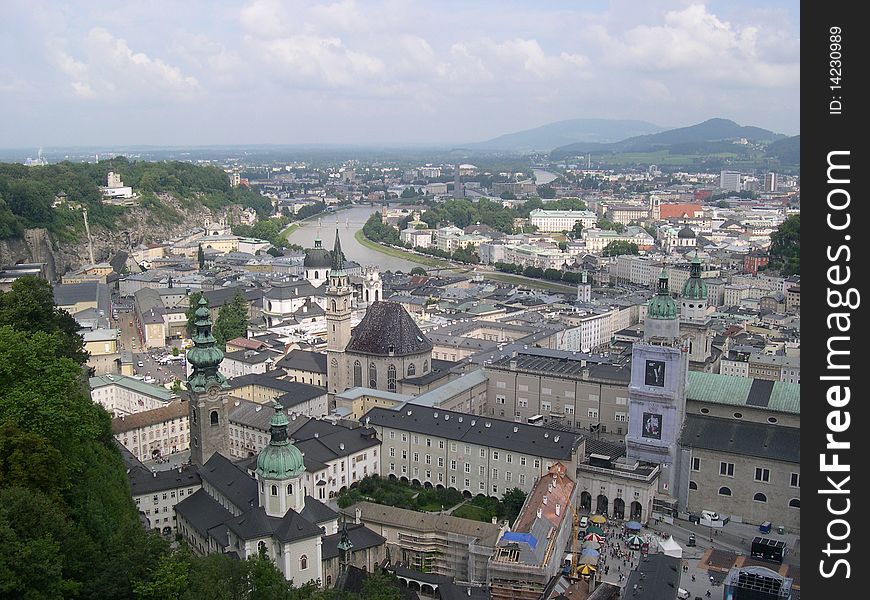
{"x": 232, "y": 320}
{"x": 190, "y": 313}
{"x": 563, "y": 246}
{"x": 545, "y": 191}
{"x": 506, "y": 195}
{"x": 785, "y": 247}
{"x": 620, "y": 247}
{"x": 418, "y": 271}
{"x": 577, "y": 230}
{"x": 553, "y": 274}
{"x": 169, "y": 581}
{"x": 177, "y": 388}
{"x": 513, "y": 500}
{"x": 29, "y": 306}
{"x": 200, "y": 257}
{"x": 607, "y": 224}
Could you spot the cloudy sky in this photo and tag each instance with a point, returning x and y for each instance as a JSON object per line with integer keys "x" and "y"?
{"x": 385, "y": 71}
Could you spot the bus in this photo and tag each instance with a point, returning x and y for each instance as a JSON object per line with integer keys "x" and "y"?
{"x": 536, "y": 420}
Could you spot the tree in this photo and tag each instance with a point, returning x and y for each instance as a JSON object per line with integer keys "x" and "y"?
{"x": 177, "y": 388}
{"x": 200, "y": 257}
{"x": 620, "y": 247}
{"x": 553, "y": 274}
{"x": 513, "y": 500}
{"x": 29, "y": 306}
{"x": 611, "y": 225}
{"x": 232, "y": 320}
{"x": 563, "y": 246}
{"x": 785, "y": 247}
{"x": 545, "y": 191}
{"x": 193, "y": 304}
{"x": 577, "y": 230}
{"x": 506, "y": 195}
{"x": 418, "y": 271}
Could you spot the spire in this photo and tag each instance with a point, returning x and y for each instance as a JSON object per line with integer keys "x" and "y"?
{"x": 205, "y": 357}
{"x": 278, "y": 426}
{"x": 337, "y": 255}
{"x": 344, "y": 546}
{"x": 663, "y": 283}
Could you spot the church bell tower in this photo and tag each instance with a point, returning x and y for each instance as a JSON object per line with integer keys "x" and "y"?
{"x": 208, "y": 408}
{"x": 339, "y": 297}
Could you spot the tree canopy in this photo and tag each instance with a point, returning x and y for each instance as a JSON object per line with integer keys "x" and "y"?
{"x": 620, "y": 247}
{"x": 232, "y": 320}
{"x": 785, "y": 247}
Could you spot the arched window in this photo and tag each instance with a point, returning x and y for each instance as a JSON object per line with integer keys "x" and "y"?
{"x": 373, "y": 376}
{"x": 214, "y": 417}
{"x": 794, "y": 503}
{"x": 693, "y": 485}
{"x": 303, "y": 562}
{"x": 274, "y": 490}
{"x": 391, "y": 378}
{"x": 724, "y": 491}
{"x": 333, "y": 306}
{"x": 357, "y": 374}
{"x": 289, "y": 489}
{"x": 426, "y": 366}
{"x": 316, "y": 274}
{"x": 759, "y": 497}
{"x": 334, "y": 365}
{"x": 412, "y": 370}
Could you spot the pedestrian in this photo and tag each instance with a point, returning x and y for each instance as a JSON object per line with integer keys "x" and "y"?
{"x": 693, "y": 577}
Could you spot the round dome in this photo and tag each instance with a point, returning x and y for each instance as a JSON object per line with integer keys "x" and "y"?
{"x": 280, "y": 459}
{"x": 695, "y": 289}
{"x": 317, "y": 258}
{"x": 280, "y": 462}
{"x": 686, "y": 233}
{"x": 662, "y": 306}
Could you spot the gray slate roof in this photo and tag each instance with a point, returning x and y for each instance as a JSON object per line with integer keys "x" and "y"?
{"x": 290, "y": 289}
{"x": 229, "y": 480}
{"x": 143, "y": 481}
{"x": 360, "y": 536}
{"x": 202, "y": 512}
{"x": 505, "y": 435}
{"x": 317, "y": 512}
{"x": 388, "y": 325}
{"x": 304, "y": 360}
{"x": 742, "y": 437}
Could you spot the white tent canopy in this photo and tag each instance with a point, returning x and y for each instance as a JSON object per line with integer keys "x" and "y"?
{"x": 670, "y": 547}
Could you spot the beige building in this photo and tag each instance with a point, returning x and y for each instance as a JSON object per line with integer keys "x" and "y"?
{"x": 156, "y": 432}
{"x": 438, "y": 544}
{"x": 559, "y": 387}
{"x": 104, "y": 354}
{"x": 472, "y": 454}
{"x": 156, "y": 494}
{"x": 121, "y": 395}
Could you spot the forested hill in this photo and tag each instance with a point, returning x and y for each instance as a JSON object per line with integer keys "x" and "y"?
{"x": 27, "y": 194}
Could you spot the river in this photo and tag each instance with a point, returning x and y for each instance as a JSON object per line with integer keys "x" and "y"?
{"x": 543, "y": 177}
{"x": 348, "y": 222}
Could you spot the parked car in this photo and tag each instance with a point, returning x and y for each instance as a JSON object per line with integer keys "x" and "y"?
{"x": 584, "y": 522}
{"x": 140, "y": 364}
{"x": 692, "y": 541}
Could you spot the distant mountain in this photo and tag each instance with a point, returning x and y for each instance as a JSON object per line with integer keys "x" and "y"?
{"x": 787, "y": 151}
{"x": 703, "y": 137}
{"x": 547, "y": 137}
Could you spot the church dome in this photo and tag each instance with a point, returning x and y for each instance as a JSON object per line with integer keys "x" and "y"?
{"x": 662, "y": 306}
{"x": 686, "y": 233}
{"x": 280, "y": 459}
{"x": 695, "y": 288}
{"x": 317, "y": 257}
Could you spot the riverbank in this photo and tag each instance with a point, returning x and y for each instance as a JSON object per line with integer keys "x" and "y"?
{"x": 396, "y": 253}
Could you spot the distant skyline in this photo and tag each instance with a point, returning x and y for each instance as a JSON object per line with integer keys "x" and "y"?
{"x": 383, "y": 72}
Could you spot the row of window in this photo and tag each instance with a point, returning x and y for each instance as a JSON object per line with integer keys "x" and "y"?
{"x": 508, "y": 475}
{"x": 440, "y": 478}
{"x": 737, "y": 415}
{"x": 509, "y": 458}
{"x": 762, "y": 474}
{"x": 391, "y": 374}
{"x": 758, "y": 497}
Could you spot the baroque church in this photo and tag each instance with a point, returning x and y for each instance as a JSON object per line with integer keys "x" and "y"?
{"x": 265, "y": 508}
{"x": 385, "y": 347}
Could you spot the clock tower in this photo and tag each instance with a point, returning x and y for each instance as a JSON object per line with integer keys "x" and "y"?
{"x": 208, "y": 408}
{"x": 339, "y": 294}
{"x": 657, "y": 392}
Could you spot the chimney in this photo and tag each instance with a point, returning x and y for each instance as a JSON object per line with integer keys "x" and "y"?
{"x": 367, "y": 421}
{"x": 540, "y": 513}
{"x": 545, "y": 500}
{"x": 558, "y": 509}
{"x": 357, "y": 515}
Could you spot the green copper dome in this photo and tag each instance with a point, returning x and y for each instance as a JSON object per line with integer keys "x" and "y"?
{"x": 280, "y": 459}
{"x": 695, "y": 288}
{"x": 662, "y": 306}
{"x": 205, "y": 357}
